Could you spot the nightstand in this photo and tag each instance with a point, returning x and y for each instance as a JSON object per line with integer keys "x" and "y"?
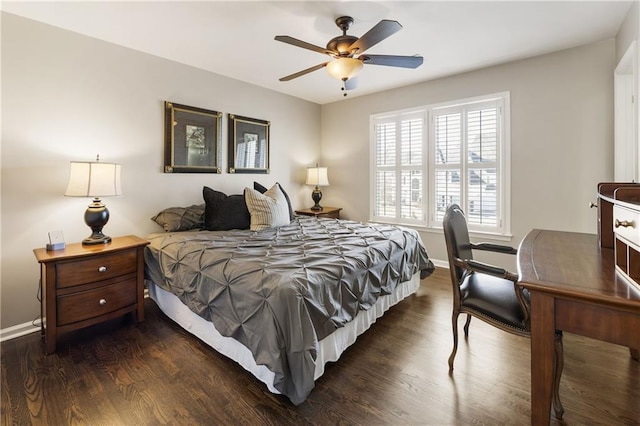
{"x": 332, "y": 212}
{"x": 83, "y": 285}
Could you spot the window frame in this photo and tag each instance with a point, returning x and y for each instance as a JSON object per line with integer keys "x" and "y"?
{"x": 502, "y": 228}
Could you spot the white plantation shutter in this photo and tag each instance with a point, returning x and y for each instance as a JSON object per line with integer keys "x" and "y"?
{"x": 460, "y": 157}
{"x": 411, "y": 169}
{"x": 468, "y": 163}
{"x": 482, "y": 149}
{"x": 448, "y": 137}
{"x": 385, "y": 170}
{"x": 399, "y": 168}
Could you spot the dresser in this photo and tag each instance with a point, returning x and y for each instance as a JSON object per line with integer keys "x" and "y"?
{"x": 619, "y": 226}
{"x": 608, "y": 193}
{"x": 83, "y": 285}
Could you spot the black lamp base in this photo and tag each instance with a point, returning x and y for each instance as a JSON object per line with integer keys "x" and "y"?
{"x": 96, "y": 217}
{"x": 316, "y": 195}
{"x": 96, "y": 239}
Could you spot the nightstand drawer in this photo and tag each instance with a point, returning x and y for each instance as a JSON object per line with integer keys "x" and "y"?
{"x": 94, "y": 303}
{"x": 96, "y": 268}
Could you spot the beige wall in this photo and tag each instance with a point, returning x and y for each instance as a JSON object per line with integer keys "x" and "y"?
{"x": 69, "y": 97}
{"x": 561, "y": 137}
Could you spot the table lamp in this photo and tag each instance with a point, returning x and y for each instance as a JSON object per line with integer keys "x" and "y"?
{"x": 94, "y": 179}
{"x": 317, "y": 176}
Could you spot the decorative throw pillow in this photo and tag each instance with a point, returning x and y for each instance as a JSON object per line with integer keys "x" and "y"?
{"x": 261, "y": 189}
{"x": 181, "y": 218}
{"x": 223, "y": 212}
{"x": 268, "y": 210}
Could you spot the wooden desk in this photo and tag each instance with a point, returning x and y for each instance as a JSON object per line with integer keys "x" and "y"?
{"x": 575, "y": 288}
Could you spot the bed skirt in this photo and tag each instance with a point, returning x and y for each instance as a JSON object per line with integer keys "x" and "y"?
{"x": 329, "y": 350}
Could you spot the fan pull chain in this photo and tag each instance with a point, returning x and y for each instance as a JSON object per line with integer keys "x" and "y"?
{"x": 344, "y": 87}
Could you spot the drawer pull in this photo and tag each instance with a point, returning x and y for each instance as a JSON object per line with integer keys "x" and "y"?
{"x": 623, "y": 223}
{"x": 102, "y": 269}
{"x": 103, "y": 302}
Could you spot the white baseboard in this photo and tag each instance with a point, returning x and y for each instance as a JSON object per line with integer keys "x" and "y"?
{"x": 440, "y": 263}
{"x": 19, "y": 330}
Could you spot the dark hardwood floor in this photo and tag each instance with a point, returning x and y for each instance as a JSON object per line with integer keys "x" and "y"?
{"x": 396, "y": 373}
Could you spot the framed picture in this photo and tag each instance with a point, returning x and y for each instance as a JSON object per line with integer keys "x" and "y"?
{"x": 248, "y": 145}
{"x": 192, "y": 139}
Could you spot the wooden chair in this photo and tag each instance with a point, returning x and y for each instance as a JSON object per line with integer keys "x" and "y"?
{"x": 488, "y": 292}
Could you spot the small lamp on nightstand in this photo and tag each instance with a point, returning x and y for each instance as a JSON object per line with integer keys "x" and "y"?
{"x": 317, "y": 176}
{"x": 94, "y": 179}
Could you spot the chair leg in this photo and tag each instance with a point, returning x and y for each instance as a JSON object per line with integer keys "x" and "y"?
{"x": 455, "y": 339}
{"x": 466, "y": 326}
{"x": 558, "y": 366}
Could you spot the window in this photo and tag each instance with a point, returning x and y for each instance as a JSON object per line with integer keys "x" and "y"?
{"x": 399, "y": 168}
{"x": 428, "y": 158}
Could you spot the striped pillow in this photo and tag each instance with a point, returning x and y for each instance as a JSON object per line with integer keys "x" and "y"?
{"x": 268, "y": 210}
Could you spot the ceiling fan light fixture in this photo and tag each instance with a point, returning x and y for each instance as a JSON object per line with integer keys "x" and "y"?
{"x": 344, "y": 68}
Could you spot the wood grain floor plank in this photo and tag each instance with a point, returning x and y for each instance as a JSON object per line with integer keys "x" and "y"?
{"x": 122, "y": 373}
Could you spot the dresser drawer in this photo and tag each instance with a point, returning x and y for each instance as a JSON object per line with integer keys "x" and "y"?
{"x": 626, "y": 224}
{"x": 93, "y": 303}
{"x": 96, "y": 268}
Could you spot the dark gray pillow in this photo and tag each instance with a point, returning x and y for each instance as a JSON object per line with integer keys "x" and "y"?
{"x": 181, "y": 218}
{"x": 223, "y": 212}
{"x": 261, "y": 189}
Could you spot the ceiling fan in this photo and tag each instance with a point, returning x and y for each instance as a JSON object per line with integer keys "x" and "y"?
{"x": 348, "y": 55}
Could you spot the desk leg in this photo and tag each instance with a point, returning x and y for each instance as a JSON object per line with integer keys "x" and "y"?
{"x": 542, "y": 356}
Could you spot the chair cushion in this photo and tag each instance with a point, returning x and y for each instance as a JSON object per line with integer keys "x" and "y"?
{"x": 494, "y": 297}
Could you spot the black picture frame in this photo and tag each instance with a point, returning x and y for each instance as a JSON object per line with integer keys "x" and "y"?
{"x": 248, "y": 145}
{"x": 192, "y": 139}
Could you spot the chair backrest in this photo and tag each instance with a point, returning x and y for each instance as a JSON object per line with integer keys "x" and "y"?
{"x": 456, "y": 235}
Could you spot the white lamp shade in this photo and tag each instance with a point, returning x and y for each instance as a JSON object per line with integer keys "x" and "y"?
{"x": 317, "y": 176}
{"x": 94, "y": 180}
{"x": 344, "y": 68}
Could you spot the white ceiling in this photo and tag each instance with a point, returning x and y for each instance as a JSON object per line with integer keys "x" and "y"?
{"x": 235, "y": 38}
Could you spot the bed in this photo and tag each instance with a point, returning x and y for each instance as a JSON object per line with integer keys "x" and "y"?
{"x": 283, "y": 302}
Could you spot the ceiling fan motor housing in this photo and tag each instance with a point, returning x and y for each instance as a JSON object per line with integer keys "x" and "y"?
{"x": 341, "y": 44}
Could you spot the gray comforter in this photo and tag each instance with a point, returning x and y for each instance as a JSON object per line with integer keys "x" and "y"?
{"x": 280, "y": 291}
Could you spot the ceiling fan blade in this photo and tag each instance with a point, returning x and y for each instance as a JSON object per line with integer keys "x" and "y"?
{"x": 375, "y": 35}
{"x": 303, "y": 44}
{"x": 392, "y": 60}
{"x": 303, "y": 72}
{"x": 351, "y": 84}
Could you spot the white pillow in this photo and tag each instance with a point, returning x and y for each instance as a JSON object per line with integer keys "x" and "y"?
{"x": 268, "y": 210}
